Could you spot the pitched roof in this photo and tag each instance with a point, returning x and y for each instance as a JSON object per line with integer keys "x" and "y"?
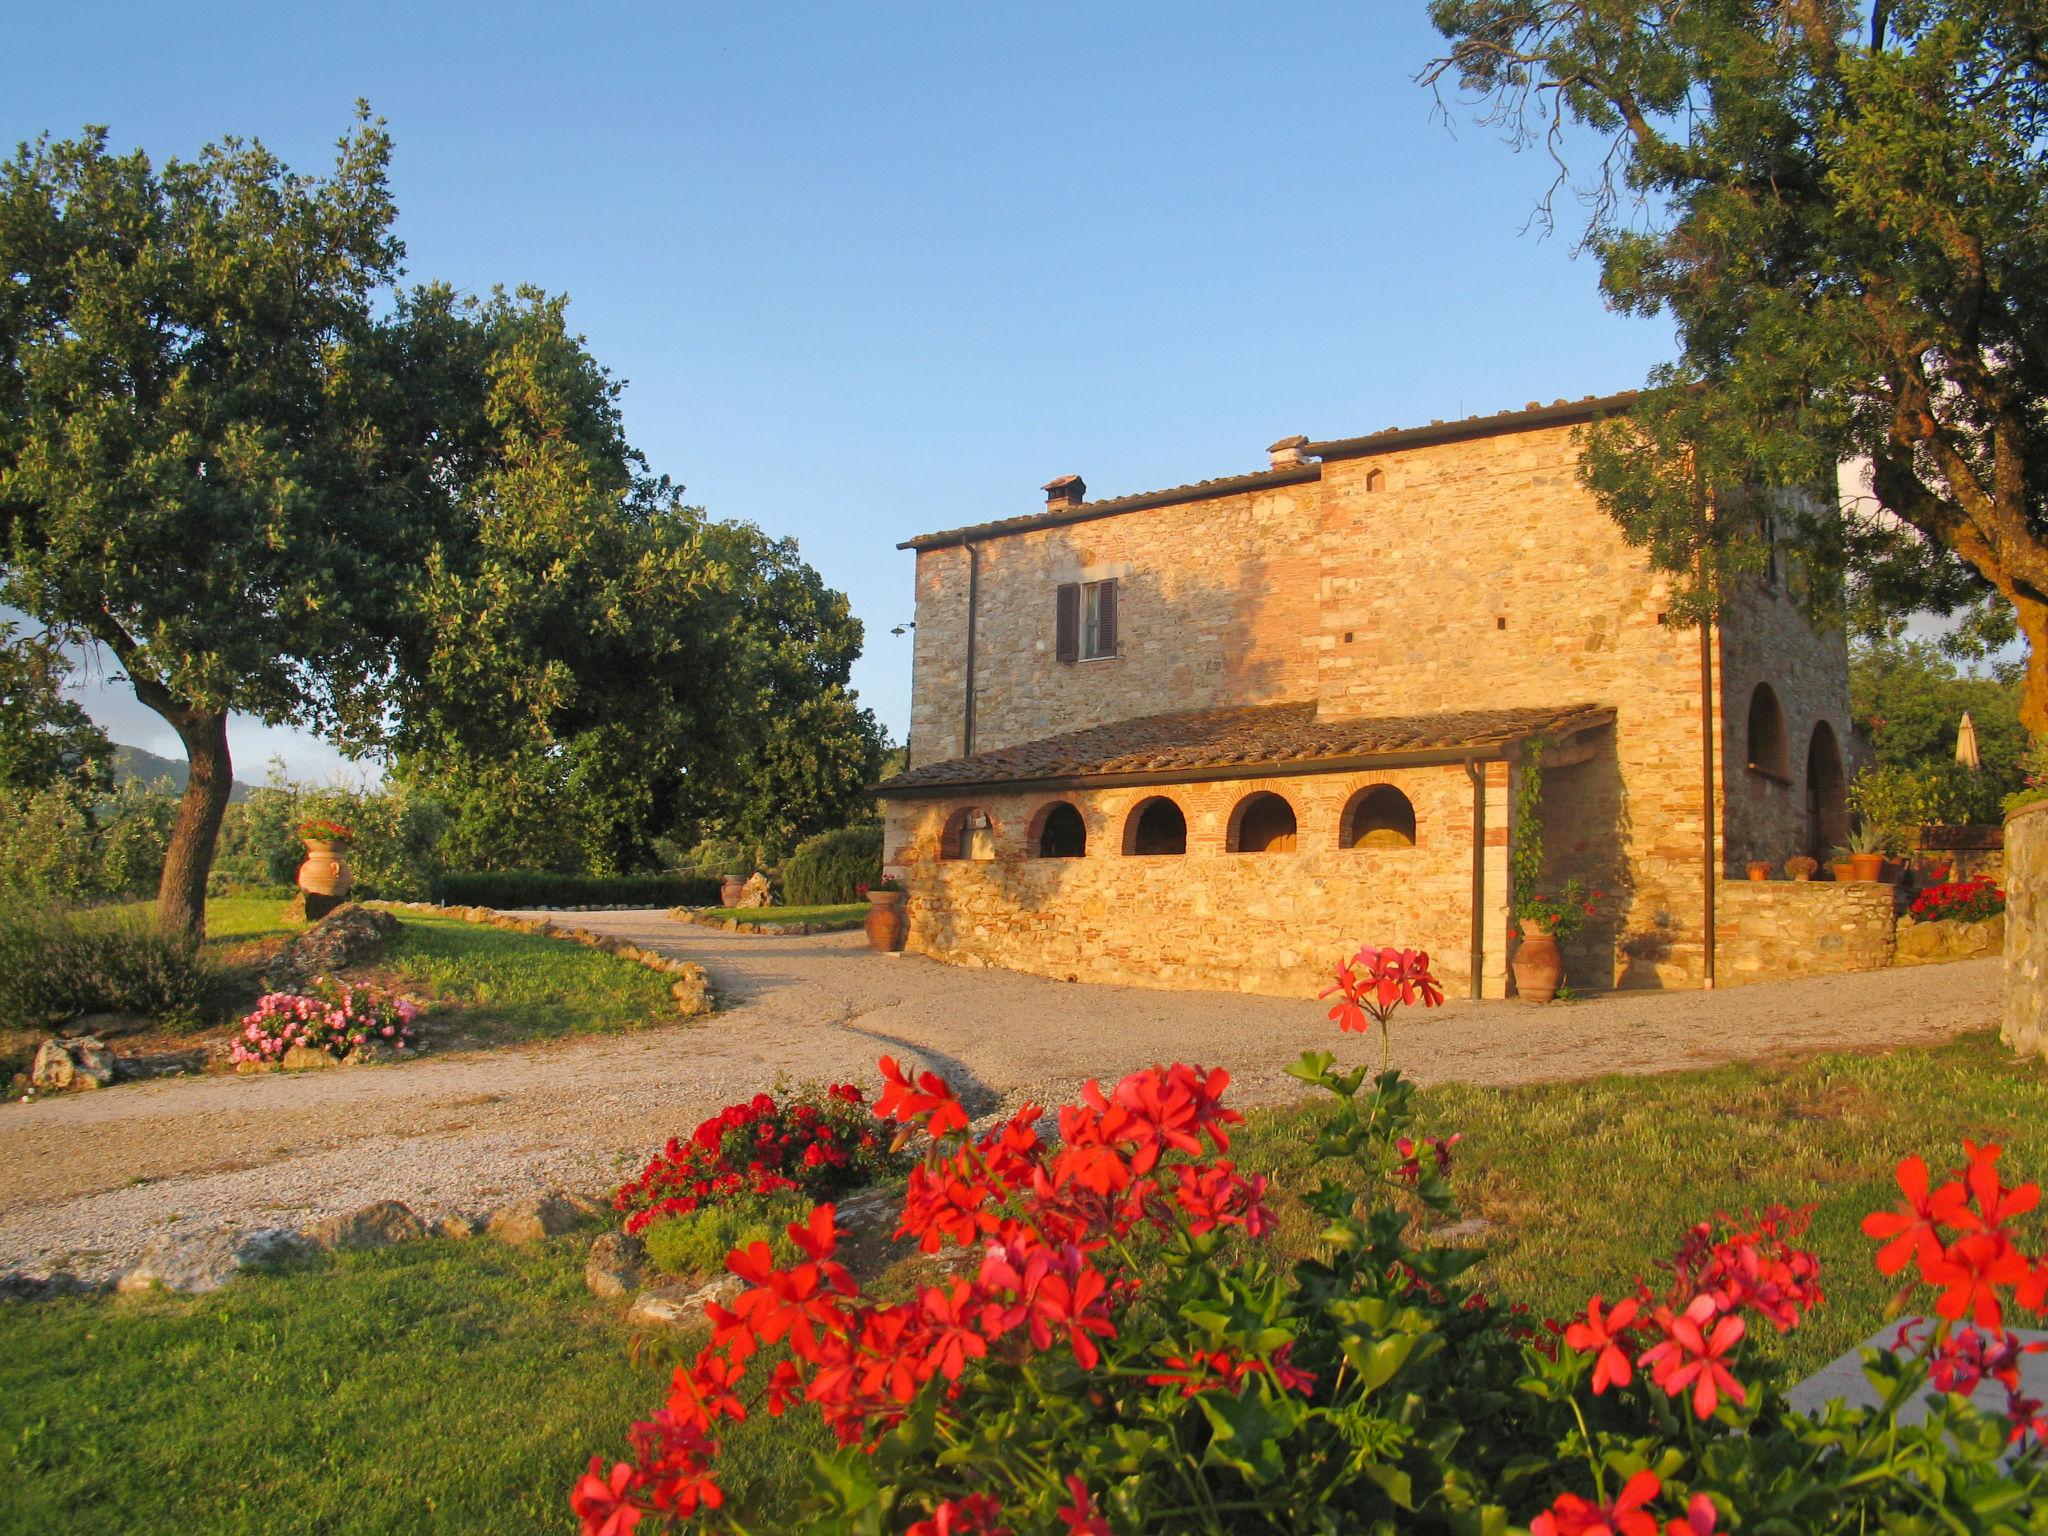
{"x": 1257, "y": 740}
{"x": 1529, "y": 418}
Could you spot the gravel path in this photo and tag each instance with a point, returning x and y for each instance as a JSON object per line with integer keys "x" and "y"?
{"x": 90, "y": 1180}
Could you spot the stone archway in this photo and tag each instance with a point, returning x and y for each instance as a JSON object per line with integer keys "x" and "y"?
{"x": 1827, "y": 794}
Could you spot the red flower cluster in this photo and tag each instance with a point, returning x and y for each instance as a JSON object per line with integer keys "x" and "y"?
{"x": 1717, "y": 1276}
{"x": 1625, "y": 1516}
{"x": 810, "y": 1144}
{"x": 1040, "y": 1216}
{"x": 1374, "y": 981}
{"x": 1967, "y": 900}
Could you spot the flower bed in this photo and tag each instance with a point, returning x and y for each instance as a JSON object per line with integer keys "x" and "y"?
{"x": 816, "y": 1143}
{"x": 1967, "y": 901}
{"x": 332, "y": 1018}
{"x": 1067, "y": 1385}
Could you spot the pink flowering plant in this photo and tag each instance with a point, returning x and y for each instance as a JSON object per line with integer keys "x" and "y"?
{"x": 1115, "y": 1350}
{"x": 332, "y": 1016}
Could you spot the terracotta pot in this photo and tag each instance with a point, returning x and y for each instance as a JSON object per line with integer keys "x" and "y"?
{"x": 886, "y": 926}
{"x": 1539, "y": 967}
{"x": 1866, "y": 866}
{"x": 1759, "y": 870}
{"x": 325, "y": 872}
{"x": 1844, "y": 870}
{"x": 730, "y": 889}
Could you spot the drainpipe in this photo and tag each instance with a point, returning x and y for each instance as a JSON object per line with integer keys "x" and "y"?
{"x": 1477, "y": 775}
{"x": 1709, "y": 864}
{"x": 973, "y": 605}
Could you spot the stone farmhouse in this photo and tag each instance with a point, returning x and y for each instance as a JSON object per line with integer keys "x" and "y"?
{"x": 1217, "y": 736}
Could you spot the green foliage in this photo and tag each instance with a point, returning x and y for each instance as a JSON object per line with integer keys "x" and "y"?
{"x": 2033, "y": 776}
{"x": 1893, "y": 799}
{"x": 1909, "y": 699}
{"x": 396, "y": 853}
{"x": 73, "y": 846}
{"x": 57, "y": 966}
{"x": 45, "y": 738}
{"x": 832, "y": 867}
{"x": 1839, "y": 207}
{"x": 844, "y": 914}
{"x": 1525, "y": 836}
{"x": 529, "y": 888}
{"x": 697, "y": 1243}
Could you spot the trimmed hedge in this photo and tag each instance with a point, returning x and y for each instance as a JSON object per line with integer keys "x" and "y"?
{"x": 536, "y": 888}
{"x": 832, "y": 867}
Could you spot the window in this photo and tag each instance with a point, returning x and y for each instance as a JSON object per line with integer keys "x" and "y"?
{"x": 1086, "y": 620}
{"x": 1262, "y": 823}
{"x": 1378, "y": 817}
{"x": 969, "y": 834}
{"x": 1156, "y": 826}
{"x": 1767, "y": 734}
{"x": 1061, "y": 832}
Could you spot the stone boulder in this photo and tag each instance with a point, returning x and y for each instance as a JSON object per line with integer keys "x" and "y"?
{"x": 756, "y": 892}
{"x": 347, "y": 936}
{"x": 458, "y": 1226}
{"x": 1948, "y": 938}
{"x": 528, "y": 1221}
{"x": 77, "y": 1063}
{"x": 692, "y": 992}
{"x": 615, "y": 1264}
{"x": 207, "y": 1261}
{"x": 378, "y": 1225}
{"x": 679, "y": 1303}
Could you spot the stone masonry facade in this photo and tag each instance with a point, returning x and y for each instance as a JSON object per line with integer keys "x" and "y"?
{"x": 1452, "y": 567}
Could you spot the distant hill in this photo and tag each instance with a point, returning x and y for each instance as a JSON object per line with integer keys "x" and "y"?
{"x": 132, "y": 763}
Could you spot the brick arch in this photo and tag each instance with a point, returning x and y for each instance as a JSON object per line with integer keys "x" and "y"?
{"x": 961, "y": 834}
{"x": 1051, "y": 830}
{"x": 1377, "y": 816}
{"x": 1153, "y": 825}
{"x": 1262, "y": 822}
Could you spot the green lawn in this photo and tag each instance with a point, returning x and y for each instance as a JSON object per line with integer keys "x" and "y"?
{"x": 460, "y": 1386}
{"x": 850, "y": 914}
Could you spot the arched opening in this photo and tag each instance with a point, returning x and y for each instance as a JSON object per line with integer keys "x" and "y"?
{"x": 1766, "y": 744}
{"x": 1378, "y": 817}
{"x": 1827, "y": 793}
{"x": 1061, "y": 832}
{"x": 969, "y": 834}
{"x": 1376, "y": 480}
{"x": 1262, "y": 823}
{"x": 1156, "y": 825}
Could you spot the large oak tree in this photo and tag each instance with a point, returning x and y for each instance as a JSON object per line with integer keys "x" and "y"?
{"x": 1845, "y": 211}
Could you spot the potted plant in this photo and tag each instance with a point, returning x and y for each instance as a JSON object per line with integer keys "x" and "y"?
{"x": 1801, "y": 867}
{"x": 886, "y": 925}
{"x": 325, "y": 876}
{"x": 1542, "y": 923}
{"x": 1759, "y": 869}
{"x": 1865, "y": 851}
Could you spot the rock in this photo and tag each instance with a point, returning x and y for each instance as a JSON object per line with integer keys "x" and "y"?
{"x": 1473, "y": 1229}
{"x": 303, "y": 1058}
{"x": 145, "y": 1065}
{"x": 374, "y": 1226}
{"x": 20, "y": 1285}
{"x": 458, "y": 1226}
{"x": 528, "y": 1221}
{"x": 756, "y": 892}
{"x": 195, "y": 1265}
{"x": 53, "y": 1069}
{"x": 346, "y": 936}
{"x": 614, "y": 1266}
{"x": 693, "y": 992}
{"x": 77, "y": 1063}
{"x": 92, "y": 1059}
{"x": 679, "y": 1303}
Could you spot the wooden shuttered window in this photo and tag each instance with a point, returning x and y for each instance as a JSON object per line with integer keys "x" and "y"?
{"x": 1067, "y": 637}
{"x": 1103, "y": 629}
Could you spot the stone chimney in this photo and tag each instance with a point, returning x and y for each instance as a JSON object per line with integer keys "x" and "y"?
{"x": 1286, "y": 453}
{"x": 1067, "y": 491}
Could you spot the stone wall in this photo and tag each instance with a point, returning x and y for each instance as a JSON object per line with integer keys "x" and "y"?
{"x": 1256, "y": 922}
{"x": 1768, "y": 930}
{"x": 2026, "y": 930}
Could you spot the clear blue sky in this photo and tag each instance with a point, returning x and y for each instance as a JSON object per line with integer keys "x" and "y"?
{"x": 876, "y": 269}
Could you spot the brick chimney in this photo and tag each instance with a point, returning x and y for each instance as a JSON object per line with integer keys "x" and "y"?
{"x": 1286, "y": 453}
{"x": 1067, "y": 491}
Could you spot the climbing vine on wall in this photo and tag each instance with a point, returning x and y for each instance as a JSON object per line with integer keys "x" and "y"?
{"x": 1525, "y": 836}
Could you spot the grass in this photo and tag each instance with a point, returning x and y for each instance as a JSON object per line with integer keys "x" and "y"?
{"x": 848, "y": 914}
{"x": 451, "y": 1386}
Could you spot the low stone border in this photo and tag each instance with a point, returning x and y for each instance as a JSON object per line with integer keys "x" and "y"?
{"x": 1947, "y": 938}
{"x": 709, "y": 917}
{"x": 692, "y": 989}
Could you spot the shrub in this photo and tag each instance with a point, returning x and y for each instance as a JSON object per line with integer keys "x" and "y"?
{"x": 1894, "y": 798}
{"x": 1968, "y": 901}
{"x": 696, "y": 1243}
{"x": 70, "y": 846}
{"x": 1056, "y": 1386}
{"x": 534, "y": 888}
{"x": 57, "y": 966}
{"x": 333, "y": 1017}
{"x": 816, "y": 1143}
{"x": 833, "y": 866}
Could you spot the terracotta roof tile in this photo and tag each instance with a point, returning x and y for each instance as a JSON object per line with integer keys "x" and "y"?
{"x": 1197, "y": 742}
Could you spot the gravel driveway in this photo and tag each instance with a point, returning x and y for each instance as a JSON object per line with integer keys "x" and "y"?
{"x": 90, "y": 1180}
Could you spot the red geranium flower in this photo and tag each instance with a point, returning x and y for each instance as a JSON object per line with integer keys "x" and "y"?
{"x": 605, "y": 1505}
{"x": 1692, "y": 1355}
{"x": 1574, "y": 1516}
{"x": 1913, "y": 1229}
{"x": 1606, "y": 1334}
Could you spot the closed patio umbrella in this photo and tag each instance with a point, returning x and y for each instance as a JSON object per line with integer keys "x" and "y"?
{"x": 1966, "y": 743}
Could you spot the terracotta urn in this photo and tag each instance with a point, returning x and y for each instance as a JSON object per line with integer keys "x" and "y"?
{"x": 1759, "y": 870}
{"x": 1538, "y": 964}
{"x": 325, "y": 872}
{"x": 730, "y": 889}
{"x": 1866, "y": 866}
{"x": 886, "y": 925}
{"x": 1844, "y": 870}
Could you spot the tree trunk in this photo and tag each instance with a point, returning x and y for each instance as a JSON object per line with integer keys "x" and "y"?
{"x": 2033, "y": 622}
{"x": 181, "y": 896}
